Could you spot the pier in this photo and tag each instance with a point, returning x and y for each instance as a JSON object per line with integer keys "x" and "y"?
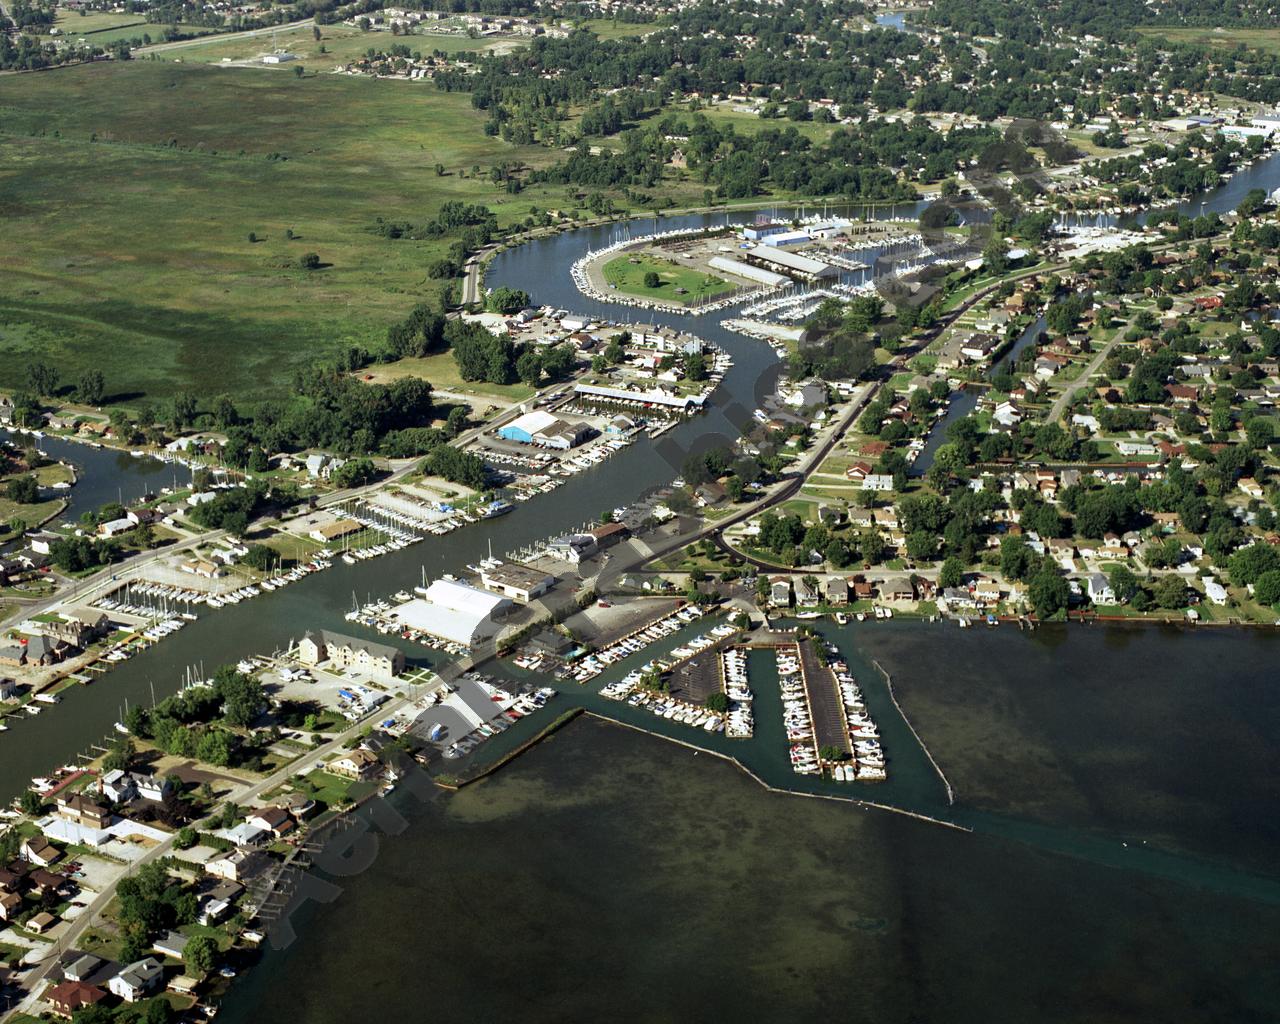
{"x": 825, "y": 709}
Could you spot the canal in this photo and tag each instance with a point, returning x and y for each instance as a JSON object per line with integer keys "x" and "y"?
{"x": 269, "y": 622}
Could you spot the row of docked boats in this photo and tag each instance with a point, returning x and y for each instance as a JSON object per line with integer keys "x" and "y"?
{"x": 594, "y": 664}
{"x": 740, "y": 723}
{"x": 868, "y": 756}
{"x": 662, "y": 705}
{"x": 796, "y": 717}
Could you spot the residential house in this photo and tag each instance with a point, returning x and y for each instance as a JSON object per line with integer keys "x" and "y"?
{"x": 83, "y": 810}
{"x": 1250, "y": 487}
{"x": 10, "y": 906}
{"x": 38, "y": 850}
{"x": 68, "y": 997}
{"x": 138, "y": 980}
{"x": 1099, "y": 589}
{"x": 82, "y": 967}
{"x": 43, "y": 882}
{"x": 986, "y": 593}
{"x": 275, "y": 820}
{"x": 78, "y": 627}
{"x": 355, "y": 764}
{"x": 837, "y": 590}
{"x": 1213, "y": 590}
{"x": 780, "y": 592}
{"x": 236, "y": 865}
{"x": 41, "y": 923}
{"x": 807, "y": 596}
{"x": 897, "y": 588}
{"x": 120, "y": 787}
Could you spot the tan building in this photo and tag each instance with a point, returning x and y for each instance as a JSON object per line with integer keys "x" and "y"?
{"x": 349, "y": 652}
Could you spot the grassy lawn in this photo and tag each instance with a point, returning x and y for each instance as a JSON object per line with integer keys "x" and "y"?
{"x": 1265, "y": 39}
{"x": 607, "y": 29}
{"x": 441, "y": 370}
{"x": 147, "y": 272}
{"x": 627, "y": 273}
{"x": 331, "y": 790}
{"x": 342, "y": 44}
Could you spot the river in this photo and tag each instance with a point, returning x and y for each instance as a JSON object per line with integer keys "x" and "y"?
{"x": 692, "y": 892}
{"x": 104, "y": 475}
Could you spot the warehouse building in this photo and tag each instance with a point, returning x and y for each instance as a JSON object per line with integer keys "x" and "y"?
{"x": 788, "y": 238}
{"x": 791, "y": 263}
{"x": 455, "y": 611}
{"x": 542, "y": 428}
{"x": 516, "y": 581}
{"x": 744, "y": 270}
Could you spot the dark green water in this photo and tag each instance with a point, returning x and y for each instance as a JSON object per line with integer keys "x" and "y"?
{"x": 606, "y": 873}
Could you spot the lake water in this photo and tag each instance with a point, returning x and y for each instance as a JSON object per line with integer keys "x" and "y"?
{"x": 609, "y": 872}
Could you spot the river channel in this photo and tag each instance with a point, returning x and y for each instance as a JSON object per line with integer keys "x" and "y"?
{"x": 608, "y": 866}
{"x": 320, "y": 601}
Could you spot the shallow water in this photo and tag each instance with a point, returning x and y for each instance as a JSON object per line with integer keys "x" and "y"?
{"x": 611, "y": 874}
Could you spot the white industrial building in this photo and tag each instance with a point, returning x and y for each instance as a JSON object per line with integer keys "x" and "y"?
{"x": 454, "y": 611}
{"x": 744, "y": 270}
{"x": 792, "y": 263}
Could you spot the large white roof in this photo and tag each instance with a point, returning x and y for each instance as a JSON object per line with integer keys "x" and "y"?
{"x": 454, "y": 611}
{"x": 532, "y": 422}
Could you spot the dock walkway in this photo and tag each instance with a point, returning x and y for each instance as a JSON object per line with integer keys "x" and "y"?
{"x": 825, "y": 707}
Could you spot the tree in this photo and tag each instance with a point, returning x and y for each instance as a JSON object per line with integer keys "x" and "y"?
{"x": 718, "y": 702}
{"x": 1049, "y": 593}
{"x": 241, "y": 695}
{"x": 43, "y": 378}
{"x": 1266, "y": 588}
{"x": 507, "y": 300}
{"x": 456, "y": 422}
{"x": 183, "y": 410}
{"x": 186, "y": 838}
{"x": 200, "y": 955}
{"x": 120, "y": 755}
{"x": 91, "y": 387}
{"x": 651, "y": 279}
{"x": 354, "y": 473}
{"x": 310, "y": 261}
{"x": 456, "y": 466}
{"x": 695, "y": 366}
{"x": 1124, "y": 584}
{"x": 23, "y": 490}
{"x": 1170, "y": 592}
{"x": 922, "y": 546}
{"x": 529, "y": 367}
{"x": 952, "y": 573}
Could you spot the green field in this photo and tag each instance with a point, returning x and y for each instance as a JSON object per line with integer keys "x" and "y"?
{"x": 128, "y": 192}
{"x": 1265, "y": 39}
{"x": 341, "y": 43}
{"x": 626, "y": 273}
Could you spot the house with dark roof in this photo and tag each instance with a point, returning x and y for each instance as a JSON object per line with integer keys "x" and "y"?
{"x": 67, "y": 997}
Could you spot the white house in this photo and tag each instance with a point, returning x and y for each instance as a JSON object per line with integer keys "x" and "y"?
{"x": 1214, "y": 590}
{"x": 138, "y": 980}
{"x": 1100, "y": 591}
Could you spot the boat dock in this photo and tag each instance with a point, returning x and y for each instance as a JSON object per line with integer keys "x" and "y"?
{"x": 826, "y": 711}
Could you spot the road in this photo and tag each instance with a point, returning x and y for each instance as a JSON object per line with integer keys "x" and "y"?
{"x": 1064, "y": 399}
{"x": 253, "y": 33}
{"x": 243, "y": 797}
